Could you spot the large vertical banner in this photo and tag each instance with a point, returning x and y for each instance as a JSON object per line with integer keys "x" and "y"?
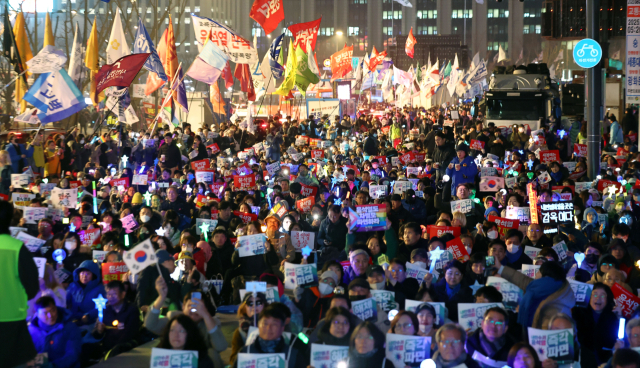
{"x": 633, "y": 52}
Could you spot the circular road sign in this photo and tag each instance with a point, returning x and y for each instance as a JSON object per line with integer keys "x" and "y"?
{"x": 587, "y": 53}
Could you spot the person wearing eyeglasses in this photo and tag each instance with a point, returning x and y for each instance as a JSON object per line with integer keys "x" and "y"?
{"x": 314, "y": 301}
{"x": 337, "y": 328}
{"x": 598, "y": 323}
{"x": 535, "y": 237}
{"x": 366, "y": 348}
{"x": 450, "y": 289}
{"x": 605, "y": 263}
{"x": 491, "y": 341}
{"x": 250, "y": 306}
{"x": 405, "y": 323}
{"x": 451, "y": 339}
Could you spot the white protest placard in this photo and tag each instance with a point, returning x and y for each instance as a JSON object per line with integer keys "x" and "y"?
{"x": 301, "y": 239}
{"x": 419, "y": 194}
{"x": 273, "y": 168}
{"x": 471, "y": 315}
{"x": 16, "y": 230}
{"x": 552, "y": 344}
{"x": 31, "y": 242}
{"x": 46, "y": 188}
{"x": 271, "y": 294}
{"x": 597, "y": 204}
{"x": 40, "y": 263}
{"x": 581, "y": 291}
{"x": 19, "y": 180}
{"x": 251, "y": 245}
{"x": 64, "y": 197}
{"x": 140, "y": 179}
{"x": 407, "y": 350}
{"x": 34, "y": 214}
{"x": 518, "y": 213}
{"x": 377, "y": 191}
{"x": 395, "y": 161}
{"x": 511, "y": 293}
{"x": 204, "y": 176}
{"x": 530, "y": 270}
{"x": 562, "y": 249}
{"x": 510, "y": 182}
{"x": 328, "y": 356}
{"x": 531, "y": 252}
{"x": 488, "y": 171}
{"x": 401, "y": 186}
{"x": 212, "y": 225}
{"x": 56, "y": 214}
{"x": 99, "y": 255}
{"x": 22, "y": 199}
{"x": 464, "y": 206}
{"x": 365, "y": 309}
{"x": 583, "y": 185}
{"x": 415, "y": 272}
{"x": 300, "y": 275}
{"x": 169, "y": 358}
{"x": 571, "y": 166}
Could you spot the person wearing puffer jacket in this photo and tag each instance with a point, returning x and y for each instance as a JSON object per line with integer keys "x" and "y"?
{"x": 86, "y": 286}
{"x": 273, "y": 152}
{"x": 462, "y": 168}
{"x": 545, "y": 296}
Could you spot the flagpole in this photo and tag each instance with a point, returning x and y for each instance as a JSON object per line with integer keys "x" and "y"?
{"x": 169, "y": 95}
{"x": 14, "y": 79}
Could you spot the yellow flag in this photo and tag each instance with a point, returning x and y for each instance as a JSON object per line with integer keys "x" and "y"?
{"x": 290, "y": 73}
{"x": 22, "y": 44}
{"x": 49, "y": 40}
{"x": 91, "y": 60}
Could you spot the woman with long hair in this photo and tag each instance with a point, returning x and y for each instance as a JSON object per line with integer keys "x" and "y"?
{"x": 181, "y": 333}
{"x": 247, "y": 312}
{"x": 366, "y": 348}
{"x": 523, "y": 355}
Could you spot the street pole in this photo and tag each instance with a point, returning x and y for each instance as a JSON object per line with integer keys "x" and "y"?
{"x": 593, "y": 95}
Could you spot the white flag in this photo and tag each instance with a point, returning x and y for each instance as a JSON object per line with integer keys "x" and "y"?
{"x": 311, "y": 59}
{"x": 502, "y": 55}
{"x": 76, "y": 64}
{"x": 387, "y": 88}
{"x": 559, "y": 57}
{"x": 455, "y": 66}
{"x": 405, "y": 3}
{"x": 117, "y": 46}
{"x": 48, "y": 60}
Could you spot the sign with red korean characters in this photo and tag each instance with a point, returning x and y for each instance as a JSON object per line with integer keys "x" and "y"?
{"x": 200, "y": 165}
{"x": 549, "y": 156}
{"x": 317, "y": 154}
{"x": 246, "y": 217}
{"x": 580, "y": 150}
{"x": 354, "y": 168}
{"x": 476, "y": 145}
{"x": 120, "y": 182}
{"x": 458, "y": 250}
{"x": 382, "y": 160}
{"x": 244, "y": 182}
{"x": 603, "y": 183}
{"x": 420, "y": 157}
{"x": 407, "y": 158}
{"x": 114, "y": 271}
{"x": 89, "y": 237}
{"x": 218, "y": 188}
{"x": 625, "y": 300}
{"x": 74, "y": 184}
{"x": 201, "y": 200}
{"x": 441, "y": 230}
{"x": 305, "y": 34}
{"x": 214, "y": 148}
{"x": 341, "y": 63}
{"x": 504, "y": 224}
{"x": 305, "y": 205}
{"x": 308, "y": 191}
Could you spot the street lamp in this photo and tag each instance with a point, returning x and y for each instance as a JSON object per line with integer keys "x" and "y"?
{"x": 338, "y": 34}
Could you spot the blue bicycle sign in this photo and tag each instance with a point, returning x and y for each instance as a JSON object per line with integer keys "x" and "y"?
{"x": 587, "y": 53}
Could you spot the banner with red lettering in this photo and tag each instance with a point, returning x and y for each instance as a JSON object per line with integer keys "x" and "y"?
{"x": 120, "y": 182}
{"x": 305, "y": 34}
{"x": 441, "y": 230}
{"x": 268, "y": 13}
{"x": 549, "y": 156}
{"x": 341, "y": 63}
{"x": 476, "y": 145}
{"x": 411, "y": 42}
{"x": 458, "y": 250}
{"x": 305, "y": 205}
{"x": 114, "y": 271}
{"x": 308, "y": 191}
{"x": 625, "y": 299}
{"x": 89, "y": 237}
{"x": 214, "y": 148}
{"x": 580, "y": 150}
{"x": 200, "y": 165}
{"x": 504, "y": 224}
{"x": 246, "y": 217}
{"x": 317, "y": 154}
{"x": 244, "y": 182}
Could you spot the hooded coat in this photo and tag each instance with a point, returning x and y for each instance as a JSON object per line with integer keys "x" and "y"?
{"x": 62, "y": 342}
{"x": 80, "y": 297}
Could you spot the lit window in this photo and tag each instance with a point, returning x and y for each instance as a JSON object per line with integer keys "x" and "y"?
{"x": 538, "y": 29}
{"x": 187, "y": 20}
{"x": 187, "y": 9}
{"x": 196, "y": 9}
{"x": 148, "y": 10}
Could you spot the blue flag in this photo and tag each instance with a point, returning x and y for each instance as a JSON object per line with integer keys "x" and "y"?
{"x": 143, "y": 45}
{"x": 274, "y": 52}
{"x": 55, "y": 96}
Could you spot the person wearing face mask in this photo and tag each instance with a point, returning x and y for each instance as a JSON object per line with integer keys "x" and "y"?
{"x": 74, "y": 257}
{"x": 515, "y": 256}
{"x": 150, "y": 218}
{"x": 86, "y": 286}
{"x": 377, "y": 281}
{"x": 592, "y": 253}
{"x": 314, "y": 302}
{"x": 360, "y": 289}
{"x": 519, "y": 138}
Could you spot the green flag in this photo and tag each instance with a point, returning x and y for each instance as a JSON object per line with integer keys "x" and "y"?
{"x": 304, "y": 75}
{"x": 290, "y": 73}
{"x": 447, "y": 70}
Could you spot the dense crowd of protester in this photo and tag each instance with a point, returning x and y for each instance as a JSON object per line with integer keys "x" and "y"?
{"x": 201, "y": 273}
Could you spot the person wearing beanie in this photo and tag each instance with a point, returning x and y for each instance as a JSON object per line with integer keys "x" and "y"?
{"x": 137, "y": 199}
{"x": 462, "y": 169}
{"x": 147, "y": 292}
{"x": 491, "y": 211}
{"x": 305, "y": 177}
{"x": 314, "y": 301}
{"x": 443, "y": 153}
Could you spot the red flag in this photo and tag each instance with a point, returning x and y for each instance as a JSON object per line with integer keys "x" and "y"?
{"x": 374, "y": 52}
{"x": 268, "y": 13}
{"x": 376, "y": 60}
{"x": 305, "y": 33}
{"x": 121, "y": 73}
{"x": 341, "y": 63}
{"x": 411, "y": 41}
{"x": 243, "y": 74}
{"x": 228, "y": 77}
